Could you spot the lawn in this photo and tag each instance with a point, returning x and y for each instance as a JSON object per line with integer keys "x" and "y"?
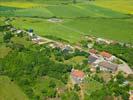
{"x": 9, "y": 90}
{"x": 75, "y": 60}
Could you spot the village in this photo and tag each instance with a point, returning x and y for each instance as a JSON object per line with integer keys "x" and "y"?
{"x": 66, "y": 49}
{"x": 101, "y": 61}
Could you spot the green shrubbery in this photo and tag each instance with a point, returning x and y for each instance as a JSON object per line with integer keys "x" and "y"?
{"x": 24, "y": 67}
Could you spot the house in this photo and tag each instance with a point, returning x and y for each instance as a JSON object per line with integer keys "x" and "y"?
{"x": 90, "y": 45}
{"x": 53, "y": 45}
{"x": 77, "y": 76}
{"x": 68, "y": 48}
{"x": 19, "y": 31}
{"x": 103, "y": 41}
{"x": 38, "y": 40}
{"x": 30, "y": 34}
{"x": 93, "y": 51}
{"x": 107, "y": 56}
{"x": 30, "y": 30}
{"x": 13, "y": 29}
{"x": 107, "y": 66}
{"x": 92, "y": 59}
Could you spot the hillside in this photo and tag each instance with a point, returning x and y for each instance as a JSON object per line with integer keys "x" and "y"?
{"x": 10, "y": 91}
{"x": 66, "y": 49}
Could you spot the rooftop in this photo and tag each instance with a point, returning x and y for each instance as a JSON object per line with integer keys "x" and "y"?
{"x": 105, "y": 54}
{"x": 92, "y": 59}
{"x": 93, "y": 51}
{"x": 77, "y": 73}
{"x": 108, "y": 65}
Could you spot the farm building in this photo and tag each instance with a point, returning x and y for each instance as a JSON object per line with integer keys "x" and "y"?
{"x": 107, "y": 66}
{"x": 77, "y": 76}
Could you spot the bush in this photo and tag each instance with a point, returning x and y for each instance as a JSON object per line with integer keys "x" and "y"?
{"x": 7, "y": 37}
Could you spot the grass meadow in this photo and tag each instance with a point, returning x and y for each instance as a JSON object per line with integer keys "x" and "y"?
{"x": 10, "y": 91}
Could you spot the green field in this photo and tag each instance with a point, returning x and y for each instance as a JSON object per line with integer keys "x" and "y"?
{"x": 84, "y": 18}
{"x": 10, "y": 91}
{"x": 71, "y": 30}
{"x": 63, "y": 11}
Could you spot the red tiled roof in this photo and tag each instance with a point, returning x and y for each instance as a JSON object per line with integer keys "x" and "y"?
{"x": 105, "y": 54}
{"x": 77, "y": 73}
{"x": 93, "y": 51}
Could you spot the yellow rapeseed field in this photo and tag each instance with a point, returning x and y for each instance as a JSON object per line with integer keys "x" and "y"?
{"x": 19, "y": 4}
{"x": 124, "y": 6}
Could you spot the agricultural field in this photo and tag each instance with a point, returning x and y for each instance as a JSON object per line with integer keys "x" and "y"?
{"x": 72, "y": 30}
{"x": 124, "y": 6}
{"x": 18, "y": 4}
{"x": 63, "y": 11}
{"x": 78, "y": 19}
{"x": 10, "y": 91}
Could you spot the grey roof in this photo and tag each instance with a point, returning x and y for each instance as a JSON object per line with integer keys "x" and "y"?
{"x": 92, "y": 59}
{"x": 110, "y": 66}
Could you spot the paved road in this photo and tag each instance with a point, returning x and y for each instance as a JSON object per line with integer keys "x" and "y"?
{"x": 125, "y": 68}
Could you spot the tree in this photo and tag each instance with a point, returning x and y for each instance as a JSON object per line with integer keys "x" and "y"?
{"x": 97, "y": 69}
{"x": 52, "y": 84}
{"x": 77, "y": 87}
{"x": 7, "y": 37}
{"x": 74, "y": 1}
{"x": 120, "y": 78}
